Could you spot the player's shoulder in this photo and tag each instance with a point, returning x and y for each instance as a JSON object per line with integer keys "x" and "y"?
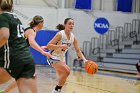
{"x": 3, "y": 17}
{"x": 60, "y": 33}
{"x": 7, "y": 16}
{"x": 28, "y": 28}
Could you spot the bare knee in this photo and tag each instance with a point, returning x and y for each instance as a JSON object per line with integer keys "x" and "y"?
{"x": 62, "y": 70}
{"x": 67, "y": 72}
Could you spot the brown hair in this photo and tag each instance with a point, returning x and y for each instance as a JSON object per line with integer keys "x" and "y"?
{"x": 6, "y": 5}
{"x": 66, "y": 20}
{"x": 60, "y": 26}
{"x": 36, "y": 20}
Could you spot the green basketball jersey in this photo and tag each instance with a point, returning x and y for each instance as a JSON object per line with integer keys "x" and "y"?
{"x": 15, "y": 52}
{"x": 16, "y": 30}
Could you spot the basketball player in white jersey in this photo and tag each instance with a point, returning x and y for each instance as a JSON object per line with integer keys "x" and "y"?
{"x": 59, "y": 46}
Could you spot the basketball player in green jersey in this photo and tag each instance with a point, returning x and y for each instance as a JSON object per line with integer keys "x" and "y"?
{"x": 15, "y": 57}
{"x": 30, "y": 34}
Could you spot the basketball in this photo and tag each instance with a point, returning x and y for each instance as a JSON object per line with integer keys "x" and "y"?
{"x": 91, "y": 67}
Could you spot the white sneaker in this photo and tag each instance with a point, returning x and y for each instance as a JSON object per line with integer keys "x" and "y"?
{"x": 54, "y": 91}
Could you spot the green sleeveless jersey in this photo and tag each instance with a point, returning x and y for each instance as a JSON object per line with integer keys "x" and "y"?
{"x": 15, "y": 52}
{"x": 15, "y": 56}
{"x": 16, "y": 40}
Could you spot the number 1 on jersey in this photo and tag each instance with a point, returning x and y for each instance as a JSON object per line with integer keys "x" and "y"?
{"x": 20, "y": 30}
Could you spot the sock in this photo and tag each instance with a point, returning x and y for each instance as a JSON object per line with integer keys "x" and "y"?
{"x": 58, "y": 88}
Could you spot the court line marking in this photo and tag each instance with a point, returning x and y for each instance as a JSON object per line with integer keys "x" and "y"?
{"x": 91, "y": 87}
{"x": 113, "y": 75}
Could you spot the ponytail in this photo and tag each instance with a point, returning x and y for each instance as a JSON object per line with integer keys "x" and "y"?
{"x": 60, "y": 27}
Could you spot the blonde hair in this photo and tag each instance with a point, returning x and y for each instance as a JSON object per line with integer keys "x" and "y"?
{"x": 36, "y": 20}
{"x": 6, "y": 5}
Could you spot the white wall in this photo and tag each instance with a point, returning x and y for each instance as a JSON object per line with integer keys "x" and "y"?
{"x": 30, "y": 2}
{"x": 62, "y": 14}
{"x": 116, "y": 18}
{"x": 96, "y": 4}
{"x": 108, "y": 5}
{"x": 51, "y": 16}
{"x": 70, "y": 3}
{"x": 84, "y": 22}
{"x": 47, "y": 3}
{"x": 83, "y": 29}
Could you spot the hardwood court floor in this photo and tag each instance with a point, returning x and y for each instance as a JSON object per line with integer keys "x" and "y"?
{"x": 81, "y": 82}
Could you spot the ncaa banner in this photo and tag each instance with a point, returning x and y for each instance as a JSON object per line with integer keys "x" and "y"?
{"x": 101, "y": 25}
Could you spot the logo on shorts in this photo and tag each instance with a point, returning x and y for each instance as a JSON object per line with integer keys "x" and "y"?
{"x": 101, "y": 25}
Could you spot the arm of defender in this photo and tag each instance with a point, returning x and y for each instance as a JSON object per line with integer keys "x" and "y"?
{"x": 30, "y": 34}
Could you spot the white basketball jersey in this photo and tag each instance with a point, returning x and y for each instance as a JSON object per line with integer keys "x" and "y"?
{"x": 60, "y": 53}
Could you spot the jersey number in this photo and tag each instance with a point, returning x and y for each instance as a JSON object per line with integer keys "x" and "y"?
{"x": 20, "y": 30}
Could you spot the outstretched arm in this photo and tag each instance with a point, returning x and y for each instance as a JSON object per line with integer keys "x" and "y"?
{"x": 30, "y": 34}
